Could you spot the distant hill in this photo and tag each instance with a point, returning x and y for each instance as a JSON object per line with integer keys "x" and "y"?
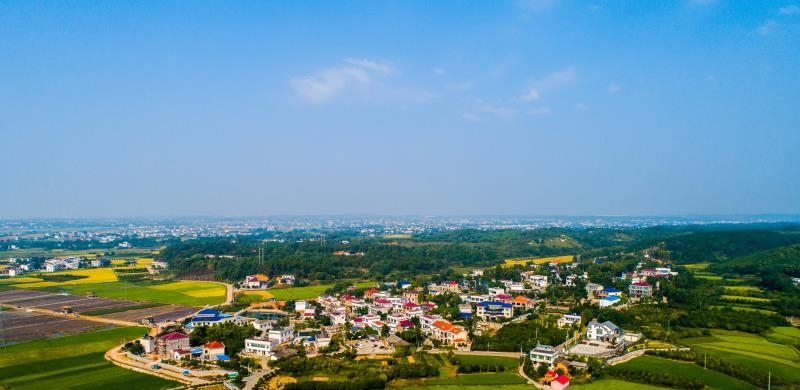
{"x": 784, "y": 259}
{"x": 722, "y": 245}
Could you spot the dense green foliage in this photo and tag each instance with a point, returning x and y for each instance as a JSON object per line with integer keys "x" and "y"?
{"x": 520, "y": 335}
{"x": 228, "y": 333}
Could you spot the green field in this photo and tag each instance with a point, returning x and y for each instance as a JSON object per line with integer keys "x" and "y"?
{"x": 688, "y": 370}
{"x": 478, "y": 380}
{"x": 615, "y": 384}
{"x": 507, "y": 362}
{"x": 784, "y": 335}
{"x": 740, "y": 289}
{"x": 73, "y": 362}
{"x": 751, "y": 351}
{"x": 743, "y": 298}
{"x": 190, "y": 293}
{"x": 475, "y": 387}
{"x": 307, "y": 292}
{"x": 696, "y": 266}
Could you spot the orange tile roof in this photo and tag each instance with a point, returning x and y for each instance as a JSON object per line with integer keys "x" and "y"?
{"x": 214, "y": 345}
{"x": 520, "y": 299}
{"x": 443, "y": 325}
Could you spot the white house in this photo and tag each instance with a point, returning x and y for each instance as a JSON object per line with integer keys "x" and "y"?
{"x": 259, "y": 346}
{"x": 568, "y": 320}
{"x": 281, "y": 335}
{"x": 543, "y": 354}
{"x": 606, "y": 331}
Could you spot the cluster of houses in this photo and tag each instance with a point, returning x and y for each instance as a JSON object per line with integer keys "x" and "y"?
{"x": 261, "y": 281}
{"x": 22, "y": 265}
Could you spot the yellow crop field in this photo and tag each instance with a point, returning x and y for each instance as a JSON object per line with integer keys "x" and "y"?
{"x": 92, "y": 275}
{"x": 259, "y": 293}
{"x": 539, "y": 260}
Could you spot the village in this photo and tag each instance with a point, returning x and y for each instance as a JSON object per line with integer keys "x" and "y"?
{"x": 377, "y": 322}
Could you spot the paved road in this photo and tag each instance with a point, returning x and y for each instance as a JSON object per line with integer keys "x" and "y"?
{"x": 119, "y": 358}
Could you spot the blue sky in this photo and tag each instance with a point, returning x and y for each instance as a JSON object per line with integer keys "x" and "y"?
{"x": 528, "y": 107}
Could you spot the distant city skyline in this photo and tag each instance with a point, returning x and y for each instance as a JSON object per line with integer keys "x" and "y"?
{"x": 537, "y": 107}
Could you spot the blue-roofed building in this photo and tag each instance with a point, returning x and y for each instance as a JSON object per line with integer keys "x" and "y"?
{"x": 610, "y": 300}
{"x": 209, "y": 317}
{"x": 611, "y": 291}
{"x": 494, "y": 309}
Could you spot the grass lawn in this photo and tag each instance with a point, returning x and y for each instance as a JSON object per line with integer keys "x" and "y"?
{"x": 615, "y": 384}
{"x": 539, "y": 260}
{"x": 713, "y": 379}
{"x": 696, "y": 266}
{"x": 478, "y": 380}
{"x": 751, "y": 351}
{"x": 190, "y": 293}
{"x": 471, "y": 387}
{"x": 73, "y": 362}
{"x": 784, "y": 335}
{"x": 507, "y": 362}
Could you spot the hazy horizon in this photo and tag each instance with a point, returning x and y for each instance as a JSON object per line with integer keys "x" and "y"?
{"x": 519, "y": 108}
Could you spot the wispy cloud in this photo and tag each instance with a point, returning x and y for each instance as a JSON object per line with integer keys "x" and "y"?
{"x": 614, "y": 88}
{"x": 581, "y": 106}
{"x": 531, "y": 95}
{"x": 557, "y": 79}
{"x": 482, "y": 109}
{"x": 439, "y": 71}
{"x": 767, "y": 28}
{"x": 326, "y": 83}
{"x": 790, "y": 9}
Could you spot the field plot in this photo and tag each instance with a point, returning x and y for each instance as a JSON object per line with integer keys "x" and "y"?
{"x": 158, "y": 314}
{"x": 180, "y": 293}
{"x": 51, "y": 301}
{"x": 20, "y": 325}
{"x": 750, "y": 351}
{"x": 478, "y": 380}
{"x": 307, "y": 292}
{"x": 73, "y": 362}
{"x": 714, "y": 380}
{"x": 743, "y": 298}
{"x": 509, "y": 363}
{"x": 537, "y": 260}
{"x": 86, "y": 276}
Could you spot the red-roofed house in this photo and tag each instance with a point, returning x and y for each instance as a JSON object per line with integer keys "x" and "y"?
{"x": 369, "y": 294}
{"x": 640, "y": 290}
{"x": 212, "y": 349}
{"x": 560, "y": 383}
{"x": 171, "y": 342}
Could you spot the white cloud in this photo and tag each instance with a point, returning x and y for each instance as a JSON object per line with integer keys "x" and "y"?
{"x": 767, "y": 28}
{"x": 790, "y": 9}
{"x": 556, "y": 79}
{"x": 326, "y": 83}
{"x": 481, "y": 109}
{"x": 531, "y": 95}
{"x": 614, "y": 88}
{"x": 711, "y": 77}
{"x": 540, "y": 111}
{"x": 593, "y": 8}
{"x": 439, "y": 71}
{"x": 581, "y": 106}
